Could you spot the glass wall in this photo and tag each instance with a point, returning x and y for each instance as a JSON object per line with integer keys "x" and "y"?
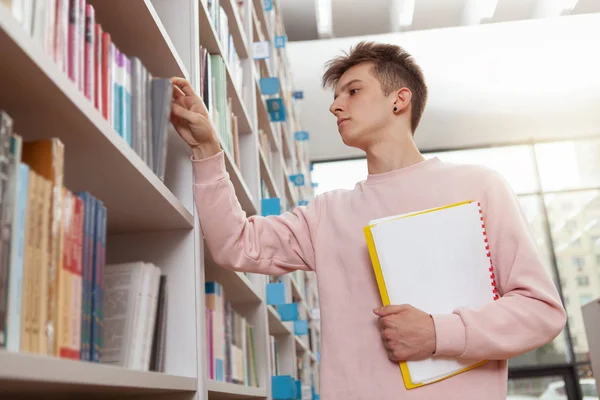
{"x": 558, "y": 185}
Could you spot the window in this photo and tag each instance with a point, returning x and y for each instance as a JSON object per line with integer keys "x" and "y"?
{"x": 579, "y": 262}
{"x": 585, "y": 298}
{"x": 569, "y": 164}
{"x": 536, "y": 388}
{"x": 583, "y": 281}
{"x": 338, "y": 174}
{"x": 514, "y": 163}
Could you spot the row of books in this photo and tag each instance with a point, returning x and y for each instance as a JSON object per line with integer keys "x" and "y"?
{"x": 231, "y": 353}
{"x": 52, "y": 254}
{"x": 136, "y": 104}
{"x": 135, "y": 316}
{"x": 220, "y": 22}
{"x": 273, "y": 355}
{"x": 213, "y": 83}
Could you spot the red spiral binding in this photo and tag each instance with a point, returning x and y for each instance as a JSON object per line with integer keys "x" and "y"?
{"x": 487, "y": 247}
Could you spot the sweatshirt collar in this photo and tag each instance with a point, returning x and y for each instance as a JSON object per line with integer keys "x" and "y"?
{"x": 396, "y": 173}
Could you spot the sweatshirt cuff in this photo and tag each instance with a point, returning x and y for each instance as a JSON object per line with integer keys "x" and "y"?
{"x": 451, "y": 336}
{"x": 210, "y": 169}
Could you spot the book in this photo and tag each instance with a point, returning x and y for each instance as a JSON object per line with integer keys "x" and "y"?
{"x": 436, "y": 260}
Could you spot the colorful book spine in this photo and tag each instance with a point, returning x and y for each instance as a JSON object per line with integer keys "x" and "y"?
{"x": 98, "y": 281}
{"x": 90, "y": 53}
{"x": 15, "y": 288}
{"x": 73, "y": 41}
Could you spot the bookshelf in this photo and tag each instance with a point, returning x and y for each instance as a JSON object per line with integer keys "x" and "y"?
{"x": 153, "y": 219}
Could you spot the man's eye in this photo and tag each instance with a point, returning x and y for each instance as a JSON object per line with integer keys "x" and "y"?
{"x": 352, "y": 91}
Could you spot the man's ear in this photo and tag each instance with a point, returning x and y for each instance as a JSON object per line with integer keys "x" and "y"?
{"x": 402, "y": 100}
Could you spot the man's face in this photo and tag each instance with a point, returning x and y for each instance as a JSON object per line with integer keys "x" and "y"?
{"x": 360, "y": 106}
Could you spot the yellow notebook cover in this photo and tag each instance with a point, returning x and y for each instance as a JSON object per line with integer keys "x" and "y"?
{"x": 421, "y": 248}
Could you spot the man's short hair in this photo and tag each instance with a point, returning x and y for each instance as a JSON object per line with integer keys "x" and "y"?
{"x": 393, "y": 66}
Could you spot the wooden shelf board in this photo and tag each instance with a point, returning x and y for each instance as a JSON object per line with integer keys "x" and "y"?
{"x": 26, "y": 374}
{"x": 260, "y": 13}
{"x": 236, "y": 29}
{"x": 266, "y": 174}
{"x": 241, "y": 189}
{"x": 288, "y": 184}
{"x": 45, "y": 103}
{"x": 231, "y": 391}
{"x": 135, "y": 28}
{"x": 301, "y": 346}
{"x": 276, "y": 325}
{"x": 236, "y": 285}
{"x": 210, "y": 40}
{"x": 296, "y": 293}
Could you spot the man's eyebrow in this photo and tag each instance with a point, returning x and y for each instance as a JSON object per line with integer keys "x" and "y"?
{"x": 345, "y": 86}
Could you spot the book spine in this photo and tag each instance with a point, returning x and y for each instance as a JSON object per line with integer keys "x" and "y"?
{"x": 73, "y": 41}
{"x": 489, "y": 255}
{"x": 15, "y": 288}
{"x": 90, "y": 62}
{"x": 76, "y": 276}
{"x": 98, "y": 64}
{"x": 81, "y": 45}
{"x": 106, "y": 83}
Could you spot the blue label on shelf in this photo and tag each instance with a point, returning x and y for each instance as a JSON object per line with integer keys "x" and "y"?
{"x": 288, "y": 312}
{"x": 270, "y": 206}
{"x": 314, "y": 185}
{"x": 303, "y": 203}
{"x": 269, "y": 86}
{"x": 261, "y": 50}
{"x": 268, "y": 5}
{"x": 276, "y": 109}
{"x": 301, "y": 327}
{"x": 301, "y": 135}
{"x": 280, "y": 42}
{"x": 298, "y": 94}
{"x": 283, "y": 387}
{"x": 297, "y": 179}
{"x": 275, "y": 293}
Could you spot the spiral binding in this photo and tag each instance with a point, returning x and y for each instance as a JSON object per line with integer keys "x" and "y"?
{"x": 487, "y": 248}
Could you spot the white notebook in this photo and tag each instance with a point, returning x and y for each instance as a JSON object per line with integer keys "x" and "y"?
{"x": 436, "y": 260}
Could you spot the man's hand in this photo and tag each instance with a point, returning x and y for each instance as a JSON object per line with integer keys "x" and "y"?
{"x": 408, "y": 334}
{"x": 191, "y": 121}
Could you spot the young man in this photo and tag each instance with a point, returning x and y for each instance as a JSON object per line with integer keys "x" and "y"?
{"x": 380, "y": 95}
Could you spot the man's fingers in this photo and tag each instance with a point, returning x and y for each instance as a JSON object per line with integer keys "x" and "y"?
{"x": 184, "y": 113}
{"x": 391, "y": 309}
{"x": 183, "y": 85}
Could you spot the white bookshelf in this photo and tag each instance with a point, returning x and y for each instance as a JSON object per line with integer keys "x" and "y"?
{"x": 154, "y": 220}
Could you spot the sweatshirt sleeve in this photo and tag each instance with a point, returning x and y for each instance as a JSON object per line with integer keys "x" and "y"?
{"x": 528, "y": 313}
{"x": 272, "y": 245}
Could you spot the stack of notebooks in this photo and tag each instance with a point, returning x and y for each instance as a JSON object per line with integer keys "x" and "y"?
{"x": 436, "y": 260}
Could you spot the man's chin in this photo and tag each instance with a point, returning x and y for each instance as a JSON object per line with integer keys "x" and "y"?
{"x": 353, "y": 141}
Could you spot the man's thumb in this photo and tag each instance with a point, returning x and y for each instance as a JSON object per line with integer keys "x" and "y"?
{"x": 389, "y": 310}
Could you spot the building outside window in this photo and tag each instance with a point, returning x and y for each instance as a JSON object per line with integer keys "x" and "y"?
{"x": 558, "y": 185}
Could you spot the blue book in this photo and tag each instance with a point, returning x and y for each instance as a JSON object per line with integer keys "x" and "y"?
{"x": 87, "y": 274}
{"x": 98, "y": 282}
{"x": 17, "y": 256}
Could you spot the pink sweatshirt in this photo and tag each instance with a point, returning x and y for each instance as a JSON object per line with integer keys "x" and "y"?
{"x": 327, "y": 237}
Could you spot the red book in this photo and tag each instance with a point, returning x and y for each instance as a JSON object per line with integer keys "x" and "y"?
{"x": 89, "y": 52}
{"x": 106, "y": 78}
{"x": 98, "y": 100}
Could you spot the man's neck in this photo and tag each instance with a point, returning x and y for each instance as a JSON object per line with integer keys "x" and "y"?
{"x": 396, "y": 150}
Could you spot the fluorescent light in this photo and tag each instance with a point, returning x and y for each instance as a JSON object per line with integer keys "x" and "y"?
{"x": 324, "y": 16}
{"x": 477, "y": 10}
